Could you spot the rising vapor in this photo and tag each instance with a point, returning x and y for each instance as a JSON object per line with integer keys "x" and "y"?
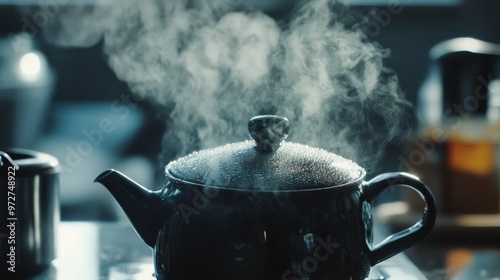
{"x": 217, "y": 67}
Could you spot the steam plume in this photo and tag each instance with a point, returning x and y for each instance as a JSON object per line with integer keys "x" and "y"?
{"x": 217, "y": 67}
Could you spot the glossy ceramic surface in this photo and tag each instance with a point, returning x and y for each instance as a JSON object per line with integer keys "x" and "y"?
{"x": 210, "y": 233}
{"x": 265, "y": 210}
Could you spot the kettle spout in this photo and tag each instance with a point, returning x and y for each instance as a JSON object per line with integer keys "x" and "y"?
{"x": 142, "y": 206}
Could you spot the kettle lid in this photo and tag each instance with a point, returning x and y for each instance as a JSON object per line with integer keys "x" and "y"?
{"x": 268, "y": 164}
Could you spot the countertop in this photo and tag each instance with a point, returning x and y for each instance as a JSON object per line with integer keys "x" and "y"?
{"x": 89, "y": 250}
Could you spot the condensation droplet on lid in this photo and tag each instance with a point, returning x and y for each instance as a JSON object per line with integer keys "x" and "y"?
{"x": 293, "y": 166}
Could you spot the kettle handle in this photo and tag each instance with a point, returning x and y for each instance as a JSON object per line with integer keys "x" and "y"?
{"x": 406, "y": 238}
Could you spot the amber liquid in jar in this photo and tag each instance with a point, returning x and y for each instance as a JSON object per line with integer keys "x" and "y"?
{"x": 471, "y": 183}
{"x": 461, "y": 167}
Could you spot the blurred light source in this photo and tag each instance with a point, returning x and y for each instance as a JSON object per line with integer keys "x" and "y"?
{"x": 30, "y": 65}
{"x": 132, "y": 271}
{"x": 81, "y": 261}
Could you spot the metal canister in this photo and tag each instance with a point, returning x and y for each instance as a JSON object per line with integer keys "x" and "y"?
{"x": 29, "y": 195}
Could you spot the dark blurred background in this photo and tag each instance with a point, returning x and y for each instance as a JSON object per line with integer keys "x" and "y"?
{"x": 84, "y": 88}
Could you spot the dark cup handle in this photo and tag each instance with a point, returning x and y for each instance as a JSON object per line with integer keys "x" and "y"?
{"x": 404, "y": 239}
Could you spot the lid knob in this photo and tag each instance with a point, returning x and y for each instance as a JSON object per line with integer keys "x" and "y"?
{"x": 268, "y": 131}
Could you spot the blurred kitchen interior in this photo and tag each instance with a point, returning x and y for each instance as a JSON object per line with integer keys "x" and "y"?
{"x": 84, "y": 88}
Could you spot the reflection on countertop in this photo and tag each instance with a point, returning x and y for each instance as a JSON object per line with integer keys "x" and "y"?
{"x": 112, "y": 250}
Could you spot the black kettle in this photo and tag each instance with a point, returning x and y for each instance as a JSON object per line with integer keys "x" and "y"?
{"x": 268, "y": 209}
